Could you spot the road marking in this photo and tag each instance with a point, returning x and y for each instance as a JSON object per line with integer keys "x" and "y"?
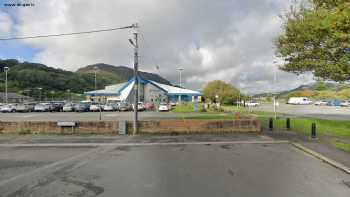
{"x": 322, "y": 158}
{"x": 142, "y": 144}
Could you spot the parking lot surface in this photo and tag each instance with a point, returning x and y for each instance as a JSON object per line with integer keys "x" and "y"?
{"x": 86, "y": 116}
{"x": 157, "y": 166}
{"x": 312, "y": 111}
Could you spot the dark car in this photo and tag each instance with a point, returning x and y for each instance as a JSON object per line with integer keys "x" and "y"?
{"x": 56, "y": 107}
{"x": 82, "y": 107}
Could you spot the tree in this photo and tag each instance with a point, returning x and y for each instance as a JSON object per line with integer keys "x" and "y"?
{"x": 226, "y": 92}
{"x": 316, "y": 38}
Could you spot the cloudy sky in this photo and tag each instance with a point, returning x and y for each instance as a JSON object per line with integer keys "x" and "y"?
{"x": 230, "y": 40}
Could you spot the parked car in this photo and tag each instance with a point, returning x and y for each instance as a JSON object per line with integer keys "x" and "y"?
{"x": 345, "y": 103}
{"x": 123, "y": 106}
{"x": 140, "y": 106}
{"x": 68, "y": 107}
{"x": 82, "y": 107}
{"x": 95, "y": 107}
{"x": 299, "y": 101}
{"x": 25, "y": 107}
{"x": 163, "y": 107}
{"x": 109, "y": 107}
{"x": 149, "y": 106}
{"x": 8, "y": 108}
{"x": 56, "y": 106}
{"x": 41, "y": 107}
{"x": 252, "y": 104}
{"x": 321, "y": 103}
{"x": 334, "y": 103}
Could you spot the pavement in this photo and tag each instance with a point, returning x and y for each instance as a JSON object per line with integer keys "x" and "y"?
{"x": 309, "y": 111}
{"x": 184, "y": 165}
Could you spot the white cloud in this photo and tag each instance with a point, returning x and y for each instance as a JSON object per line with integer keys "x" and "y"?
{"x": 210, "y": 40}
{"x": 5, "y": 24}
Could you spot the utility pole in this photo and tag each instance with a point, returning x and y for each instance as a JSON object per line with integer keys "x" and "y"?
{"x": 274, "y": 87}
{"x": 136, "y": 78}
{"x": 6, "y": 95}
{"x": 180, "y": 71}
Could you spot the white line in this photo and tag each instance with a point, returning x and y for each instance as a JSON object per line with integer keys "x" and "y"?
{"x": 322, "y": 158}
{"x": 141, "y": 144}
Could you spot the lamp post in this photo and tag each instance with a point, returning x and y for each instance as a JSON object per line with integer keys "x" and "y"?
{"x": 6, "y": 95}
{"x": 180, "y": 81}
{"x": 95, "y": 72}
{"x": 40, "y": 94}
{"x": 274, "y": 90}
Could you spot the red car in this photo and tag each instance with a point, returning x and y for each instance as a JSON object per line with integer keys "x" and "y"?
{"x": 149, "y": 106}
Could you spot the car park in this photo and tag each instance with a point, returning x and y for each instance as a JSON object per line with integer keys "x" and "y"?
{"x": 95, "y": 107}
{"x": 8, "y": 108}
{"x": 163, "y": 107}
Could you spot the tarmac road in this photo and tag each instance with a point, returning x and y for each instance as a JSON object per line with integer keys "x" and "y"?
{"x": 311, "y": 111}
{"x": 152, "y": 166}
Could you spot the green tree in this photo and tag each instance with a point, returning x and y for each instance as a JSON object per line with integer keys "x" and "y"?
{"x": 316, "y": 38}
{"x": 226, "y": 92}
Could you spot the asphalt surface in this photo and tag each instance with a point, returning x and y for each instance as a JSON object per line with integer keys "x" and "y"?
{"x": 323, "y": 112}
{"x": 225, "y": 165}
{"x": 87, "y": 116}
{"x": 312, "y": 111}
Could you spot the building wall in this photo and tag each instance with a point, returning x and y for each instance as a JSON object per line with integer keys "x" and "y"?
{"x": 154, "y": 94}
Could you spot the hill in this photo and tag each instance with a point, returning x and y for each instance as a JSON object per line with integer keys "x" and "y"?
{"x": 27, "y": 78}
{"x": 317, "y": 90}
{"x": 119, "y": 73}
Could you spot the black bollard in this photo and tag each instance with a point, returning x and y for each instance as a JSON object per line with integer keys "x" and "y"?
{"x": 288, "y": 123}
{"x": 313, "y": 130}
{"x": 271, "y": 124}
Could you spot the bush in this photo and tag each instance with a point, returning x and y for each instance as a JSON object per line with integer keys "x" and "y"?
{"x": 23, "y": 131}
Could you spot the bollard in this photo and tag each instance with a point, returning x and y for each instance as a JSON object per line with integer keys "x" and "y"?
{"x": 313, "y": 130}
{"x": 271, "y": 124}
{"x": 288, "y": 123}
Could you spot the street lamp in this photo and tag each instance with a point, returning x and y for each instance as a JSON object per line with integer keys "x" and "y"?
{"x": 180, "y": 81}
{"x": 68, "y": 91}
{"x": 40, "y": 94}
{"x": 274, "y": 89}
{"x": 6, "y": 96}
{"x": 95, "y": 71}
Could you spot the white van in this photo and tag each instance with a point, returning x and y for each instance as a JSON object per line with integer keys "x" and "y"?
{"x": 299, "y": 101}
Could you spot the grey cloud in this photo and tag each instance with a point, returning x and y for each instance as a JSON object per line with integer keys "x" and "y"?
{"x": 210, "y": 39}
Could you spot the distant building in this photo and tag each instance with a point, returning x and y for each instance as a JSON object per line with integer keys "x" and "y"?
{"x": 149, "y": 92}
{"x": 14, "y": 98}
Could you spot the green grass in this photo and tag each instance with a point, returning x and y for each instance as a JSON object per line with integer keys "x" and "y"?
{"x": 184, "y": 108}
{"x": 341, "y": 146}
{"x": 335, "y": 128}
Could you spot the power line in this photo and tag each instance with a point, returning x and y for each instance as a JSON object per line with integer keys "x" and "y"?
{"x": 66, "y": 34}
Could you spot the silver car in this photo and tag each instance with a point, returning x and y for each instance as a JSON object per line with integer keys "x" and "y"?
{"x": 25, "y": 107}
{"x": 8, "y": 108}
